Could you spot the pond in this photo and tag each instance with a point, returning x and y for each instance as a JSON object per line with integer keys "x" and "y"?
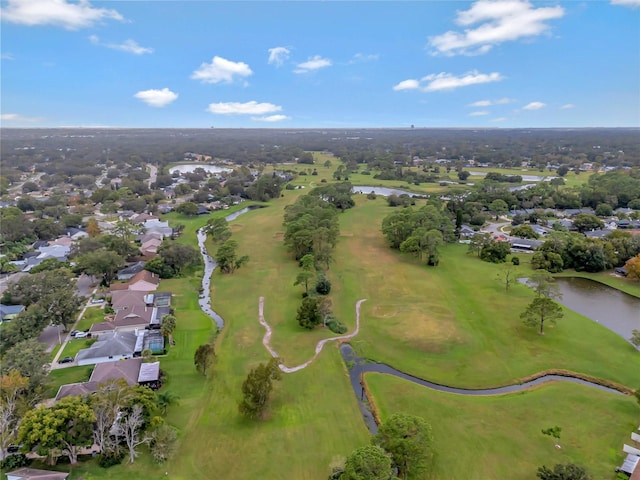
{"x": 190, "y": 167}
{"x": 382, "y": 191}
{"x": 616, "y": 310}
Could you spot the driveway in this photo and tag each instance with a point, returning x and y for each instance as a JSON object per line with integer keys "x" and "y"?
{"x": 84, "y": 285}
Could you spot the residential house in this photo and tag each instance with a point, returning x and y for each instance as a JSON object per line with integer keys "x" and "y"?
{"x": 150, "y": 247}
{"x": 597, "y": 233}
{"x": 149, "y": 375}
{"x": 123, "y": 299}
{"x": 142, "y": 217}
{"x": 144, "y": 281}
{"x": 202, "y": 210}
{"x": 159, "y": 227}
{"x": 76, "y": 233}
{"x": 76, "y": 390}
{"x": 110, "y": 347}
{"x": 128, "y": 272}
{"x": 525, "y": 243}
{"x": 36, "y": 474}
{"x": 148, "y": 236}
{"x": 127, "y": 370}
{"x": 9, "y": 312}
{"x": 127, "y": 319}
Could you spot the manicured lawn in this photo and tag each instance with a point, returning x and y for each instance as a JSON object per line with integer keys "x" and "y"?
{"x": 455, "y": 324}
{"x": 63, "y": 376}
{"x": 75, "y": 345}
{"x": 478, "y": 438}
{"x": 91, "y": 315}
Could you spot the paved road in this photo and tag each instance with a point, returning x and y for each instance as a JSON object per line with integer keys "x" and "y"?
{"x": 54, "y": 363}
{"x": 153, "y": 174}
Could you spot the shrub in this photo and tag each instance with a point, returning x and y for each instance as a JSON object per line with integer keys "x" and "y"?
{"x": 515, "y": 260}
{"x": 13, "y": 462}
{"x": 323, "y": 285}
{"x": 109, "y": 459}
{"x": 335, "y": 326}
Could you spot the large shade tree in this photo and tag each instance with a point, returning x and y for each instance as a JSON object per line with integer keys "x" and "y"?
{"x": 64, "y": 428}
{"x": 541, "y": 310}
{"x": 408, "y": 440}
{"x": 367, "y": 463}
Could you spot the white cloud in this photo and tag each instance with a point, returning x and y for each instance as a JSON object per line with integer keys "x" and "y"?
{"x": 6, "y": 56}
{"x": 16, "y": 117}
{"x": 130, "y": 46}
{"x": 479, "y": 113}
{"x": 278, "y": 55}
{"x": 567, "y": 106}
{"x": 407, "y": 85}
{"x": 626, "y": 3}
{"x": 363, "y": 58}
{"x": 488, "y": 103}
{"x": 71, "y": 16}
{"x": 481, "y": 103}
{"x": 156, "y": 98}
{"x": 448, "y": 81}
{"x": 534, "y": 106}
{"x": 247, "y": 108}
{"x": 313, "y": 63}
{"x": 497, "y": 21}
{"x": 271, "y": 118}
{"x": 221, "y": 70}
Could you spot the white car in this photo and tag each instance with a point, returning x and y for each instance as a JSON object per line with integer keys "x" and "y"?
{"x": 81, "y": 335}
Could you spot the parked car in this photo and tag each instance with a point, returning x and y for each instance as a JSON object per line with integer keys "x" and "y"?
{"x": 13, "y": 448}
{"x": 73, "y": 333}
{"x": 97, "y": 300}
{"x": 82, "y": 335}
{"x": 66, "y": 360}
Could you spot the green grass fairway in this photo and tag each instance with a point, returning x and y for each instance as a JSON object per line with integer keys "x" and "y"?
{"x": 454, "y": 324}
{"x": 499, "y": 437}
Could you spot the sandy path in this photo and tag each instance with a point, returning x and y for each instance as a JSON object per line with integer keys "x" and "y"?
{"x": 267, "y": 337}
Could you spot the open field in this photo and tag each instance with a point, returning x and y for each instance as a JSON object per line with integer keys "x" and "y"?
{"x": 495, "y": 437}
{"x": 454, "y": 324}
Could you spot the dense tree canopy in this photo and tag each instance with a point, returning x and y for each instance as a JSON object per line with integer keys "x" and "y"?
{"x": 311, "y": 227}
{"x": 408, "y": 440}
{"x": 66, "y": 428}
{"x": 367, "y": 463}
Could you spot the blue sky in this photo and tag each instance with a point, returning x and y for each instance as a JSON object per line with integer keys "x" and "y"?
{"x": 489, "y": 63}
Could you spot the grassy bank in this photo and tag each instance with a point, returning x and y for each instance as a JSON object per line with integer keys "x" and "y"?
{"x": 500, "y": 436}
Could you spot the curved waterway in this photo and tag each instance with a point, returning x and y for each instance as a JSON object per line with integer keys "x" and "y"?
{"x": 210, "y": 265}
{"x": 357, "y": 366}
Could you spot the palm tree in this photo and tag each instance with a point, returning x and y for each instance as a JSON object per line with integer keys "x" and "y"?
{"x": 168, "y": 326}
{"x": 165, "y": 399}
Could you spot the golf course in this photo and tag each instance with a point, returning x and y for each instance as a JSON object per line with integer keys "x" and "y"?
{"x": 454, "y": 324}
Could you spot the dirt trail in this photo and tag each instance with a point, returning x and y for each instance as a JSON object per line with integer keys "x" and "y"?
{"x": 267, "y": 337}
